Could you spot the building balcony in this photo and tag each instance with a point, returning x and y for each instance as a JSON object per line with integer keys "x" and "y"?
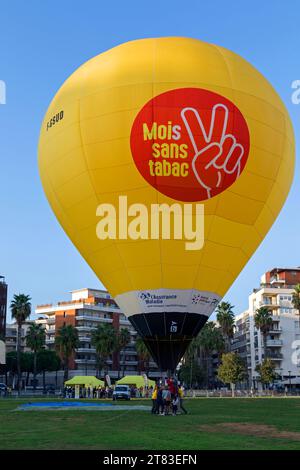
{"x": 274, "y": 343}
{"x": 41, "y": 321}
{"x": 275, "y": 280}
{"x": 124, "y": 322}
{"x": 129, "y": 353}
{"x": 239, "y": 344}
{"x": 90, "y": 361}
{"x": 85, "y": 328}
{"x": 275, "y": 318}
{"x": 92, "y": 318}
{"x": 274, "y": 331}
{"x": 268, "y": 304}
{"x": 128, "y": 363}
{"x": 84, "y": 339}
{"x": 101, "y": 307}
{"x": 274, "y": 356}
{"x": 51, "y": 332}
{"x": 50, "y": 340}
{"x": 86, "y": 350}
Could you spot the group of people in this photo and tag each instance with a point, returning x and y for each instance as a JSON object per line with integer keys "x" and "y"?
{"x": 167, "y": 398}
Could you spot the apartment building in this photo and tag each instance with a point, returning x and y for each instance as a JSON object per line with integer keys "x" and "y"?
{"x": 275, "y": 293}
{"x": 11, "y": 336}
{"x": 86, "y": 310}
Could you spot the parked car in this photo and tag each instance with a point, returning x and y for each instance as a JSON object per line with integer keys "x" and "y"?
{"x": 121, "y": 392}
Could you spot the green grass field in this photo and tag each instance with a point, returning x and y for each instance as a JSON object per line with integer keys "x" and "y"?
{"x": 213, "y": 423}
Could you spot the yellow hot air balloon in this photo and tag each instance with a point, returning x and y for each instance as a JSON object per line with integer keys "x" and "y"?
{"x": 179, "y": 128}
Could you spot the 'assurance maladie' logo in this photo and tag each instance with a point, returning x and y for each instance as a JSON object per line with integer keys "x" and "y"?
{"x": 190, "y": 143}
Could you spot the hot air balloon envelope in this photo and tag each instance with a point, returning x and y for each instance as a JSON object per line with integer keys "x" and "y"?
{"x": 185, "y": 132}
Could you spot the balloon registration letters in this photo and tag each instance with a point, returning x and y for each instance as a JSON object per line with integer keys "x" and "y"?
{"x": 159, "y": 130}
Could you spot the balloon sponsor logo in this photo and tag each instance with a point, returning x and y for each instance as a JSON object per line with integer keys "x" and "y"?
{"x": 168, "y": 300}
{"x": 156, "y": 298}
{"x": 159, "y": 222}
{"x": 2, "y": 92}
{"x": 190, "y": 144}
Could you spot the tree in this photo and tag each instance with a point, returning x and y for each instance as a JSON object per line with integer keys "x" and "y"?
{"x": 66, "y": 341}
{"x": 296, "y": 298}
{"x": 210, "y": 339}
{"x": 266, "y": 371}
{"x": 143, "y": 353}
{"x": 232, "y": 370}
{"x": 26, "y": 363}
{"x": 49, "y": 361}
{"x": 225, "y": 318}
{"x": 35, "y": 340}
{"x": 263, "y": 321}
{"x": 20, "y": 311}
{"x": 104, "y": 340}
{"x": 122, "y": 340}
{"x": 191, "y": 373}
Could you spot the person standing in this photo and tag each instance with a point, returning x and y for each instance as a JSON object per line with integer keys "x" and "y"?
{"x": 181, "y": 397}
{"x": 171, "y": 386}
{"x": 175, "y": 403}
{"x": 154, "y": 400}
{"x": 167, "y": 400}
{"x": 160, "y": 401}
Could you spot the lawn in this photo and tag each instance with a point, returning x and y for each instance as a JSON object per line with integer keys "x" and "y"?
{"x": 212, "y": 423}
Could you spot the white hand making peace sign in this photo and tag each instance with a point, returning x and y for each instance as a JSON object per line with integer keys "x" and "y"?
{"x": 214, "y": 160}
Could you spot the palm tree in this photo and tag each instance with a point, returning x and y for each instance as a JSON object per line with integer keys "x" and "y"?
{"x": 225, "y": 318}
{"x": 66, "y": 341}
{"x": 105, "y": 342}
{"x": 123, "y": 339}
{"x": 20, "y": 310}
{"x": 296, "y": 298}
{"x": 143, "y": 353}
{"x": 263, "y": 321}
{"x": 210, "y": 339}
{"x": 35, "y": 340}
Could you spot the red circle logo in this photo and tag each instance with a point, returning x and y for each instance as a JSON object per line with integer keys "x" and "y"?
{"x": 190, "y": 143}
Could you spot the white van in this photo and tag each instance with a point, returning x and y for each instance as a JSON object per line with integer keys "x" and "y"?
{"x": 121, "y": 392}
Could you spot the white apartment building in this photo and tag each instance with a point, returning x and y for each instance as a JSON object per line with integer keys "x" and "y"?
{"x": 275, "y": 293}
{"x": 11, "y": 336}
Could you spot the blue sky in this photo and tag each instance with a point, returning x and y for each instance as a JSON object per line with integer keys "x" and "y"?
{"x": 42, "y": 43}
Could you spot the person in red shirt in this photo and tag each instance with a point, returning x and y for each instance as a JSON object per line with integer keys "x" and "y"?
{"x": 172, "y": 388}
